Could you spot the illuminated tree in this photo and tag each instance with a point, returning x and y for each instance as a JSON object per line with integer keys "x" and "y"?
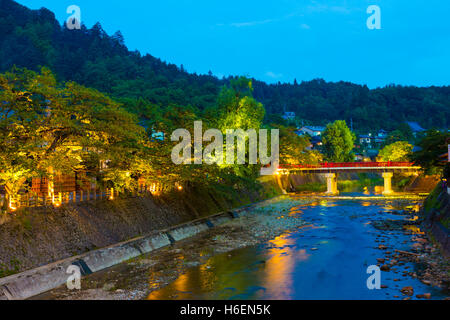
{"x": 47, "y": 127}
{"x": 293, "y": 148}
{"x": 338, "y": 142}
{"x": 397, "y": 151}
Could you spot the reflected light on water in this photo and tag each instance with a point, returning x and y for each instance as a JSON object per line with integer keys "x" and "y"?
{"x": 181, "y": 283}
{"x": 378, "y": 190}
{"x": 278, "y": 271}
{"x": 414, "y": 229}
{"x": 366, "y": 191}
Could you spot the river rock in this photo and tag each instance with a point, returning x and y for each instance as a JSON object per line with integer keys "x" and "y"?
{"x": 424, "y": 296}
{"x": 385, "y": 267}
{"x": 409, "y": 291}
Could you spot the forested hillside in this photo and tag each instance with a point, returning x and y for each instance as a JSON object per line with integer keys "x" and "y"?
{"x": 34, "y": 38}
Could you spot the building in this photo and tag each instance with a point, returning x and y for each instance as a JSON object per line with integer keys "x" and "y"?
{"x": 381, "y": 136}
{"x": 313, "y": 131}
{"x": 370, "y": 139}
{"x": 415, "y": 127}
{"x": 158, "y": 136}
{"x": 365, "y": 138}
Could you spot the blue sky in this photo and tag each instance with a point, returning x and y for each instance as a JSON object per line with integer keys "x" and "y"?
{"x": 280, "y": 40}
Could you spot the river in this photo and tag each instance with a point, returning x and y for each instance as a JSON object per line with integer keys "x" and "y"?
{"x": 325, "y": 259}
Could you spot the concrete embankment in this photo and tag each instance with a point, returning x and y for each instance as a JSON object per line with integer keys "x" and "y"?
{"x": 32, "y": 240}
{"x": 36, "y": 281}
{"x": 39, "y": 280}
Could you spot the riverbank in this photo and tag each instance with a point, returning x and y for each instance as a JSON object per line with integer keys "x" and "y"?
{"x": 129, "y": 280}
{"x": 435, "y": 215}
{"x": 39, "y": 236}
{"x": 171, "y": 272}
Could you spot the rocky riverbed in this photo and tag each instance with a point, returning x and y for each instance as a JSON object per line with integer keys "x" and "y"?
{"x": 131, "y": 280}
{"x": 433, "y": 269}
{"x": 399, "y": 247}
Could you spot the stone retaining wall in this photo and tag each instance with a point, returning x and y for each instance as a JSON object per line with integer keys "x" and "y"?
{"x": 39, "y": 280}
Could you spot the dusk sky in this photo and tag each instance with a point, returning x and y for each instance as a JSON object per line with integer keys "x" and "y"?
{"x": 283, "y": 39}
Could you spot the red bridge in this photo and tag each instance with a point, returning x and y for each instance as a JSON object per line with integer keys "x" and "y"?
{"x": 351, "y": 166}
{"x": 331, "y": 169}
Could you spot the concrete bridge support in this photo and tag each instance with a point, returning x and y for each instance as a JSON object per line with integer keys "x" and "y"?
{"x": 331, "y": 184}
{"x": 387, "y": 176}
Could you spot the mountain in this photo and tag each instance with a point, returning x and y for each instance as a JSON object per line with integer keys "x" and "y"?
{"x": 34, "y": 38}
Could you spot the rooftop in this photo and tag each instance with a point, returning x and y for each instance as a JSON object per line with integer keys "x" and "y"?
{"x": 415, "y": 126}
{"x": 314, "y": 128}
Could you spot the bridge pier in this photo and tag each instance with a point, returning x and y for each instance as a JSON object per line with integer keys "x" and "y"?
{"x": 387, "y": 176}
{"x": 331, "y": 184}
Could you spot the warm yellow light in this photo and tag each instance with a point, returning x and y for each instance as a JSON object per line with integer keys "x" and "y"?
{"x": 180, "y": 188}
{"x": 11, "y": 205}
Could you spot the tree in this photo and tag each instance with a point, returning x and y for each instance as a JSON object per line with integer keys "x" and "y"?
{"x": 395, "y": 136}
{"x": 237, "y": 107}
{"x": 430, "y": 149}
{"x": 293, "y": 147}
{"x": 397, "y": 151}
{"x": 46, "y": 127}
{"x": 338, "y": 142}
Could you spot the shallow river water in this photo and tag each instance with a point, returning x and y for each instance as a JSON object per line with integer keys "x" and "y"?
{"x": 325, "y": 259}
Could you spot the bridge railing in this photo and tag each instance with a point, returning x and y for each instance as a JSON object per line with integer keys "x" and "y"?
{"x": 347, "y": 165}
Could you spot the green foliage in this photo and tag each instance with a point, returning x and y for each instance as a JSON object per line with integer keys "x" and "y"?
{"x": 312, "y": 187}
{"x": 338, "y": 142}
{"x": 13, "y": 268}
{"x": 431, "y": 148}
{"x": 293, "y": 147}
{"x": 397, "y": 151}
{"x": 33, "y": 38}
{"x": 47, "y": 127}
{"x": 237, "y": 108}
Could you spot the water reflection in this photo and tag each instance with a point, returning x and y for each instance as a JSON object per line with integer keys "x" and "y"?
{"x": 414, "y": 229}
{"x": 378, "y": 190}
{"x": 324, "y": 259}
{"x": 279, "y": 268}
{"x": 366, "y": 191}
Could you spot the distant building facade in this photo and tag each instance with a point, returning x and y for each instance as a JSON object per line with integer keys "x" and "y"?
{"x": 313, "y": 131}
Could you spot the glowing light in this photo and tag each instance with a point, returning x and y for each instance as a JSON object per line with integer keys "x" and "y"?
{"x": 180, "y": 188}
{"x": 12, "y": 206}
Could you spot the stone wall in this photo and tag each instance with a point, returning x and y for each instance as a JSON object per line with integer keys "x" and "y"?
{"x": 39, "y": 236}
{"x": 436, "y": 216}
